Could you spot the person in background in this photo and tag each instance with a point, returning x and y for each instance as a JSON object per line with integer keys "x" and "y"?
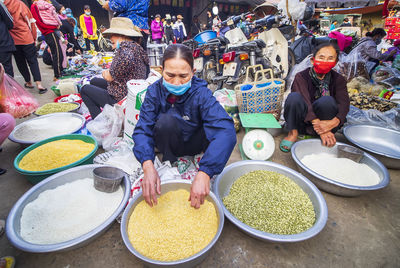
{"x": 130, "y": 62}
{"x": 52, "y": 40}
{"x": 179, "y": 29}
{"x": 333, "y": 25}
{"x": 216, "y": 21}
{"x": 196, "y": 28}
{"x": 6, "y": 41}
{"x": 180, "y": 116}
{"x": 168, "y": 30}
{"x": 367, "y": 48}
{"x": 68, "y": 30}
{"x": 48, "y": 13}
{"x": 319, "y": 101}
{"x": 157, "y": 29}
{"x": 346, "y": 23}
{"x": 89, "y": 28}
{"x": 71, "y": 16}
{"x": 136, "y": 10}
{"x": 209, "y": 24}
{"x": 24, "y": 35}
{"x": 396, "y": 48}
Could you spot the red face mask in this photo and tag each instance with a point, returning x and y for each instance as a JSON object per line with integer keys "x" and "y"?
{"x": 323, "y": 67}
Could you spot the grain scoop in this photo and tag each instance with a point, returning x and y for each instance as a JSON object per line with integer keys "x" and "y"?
{"x": 350, "y": 152}
{"x": 107, "y": 179}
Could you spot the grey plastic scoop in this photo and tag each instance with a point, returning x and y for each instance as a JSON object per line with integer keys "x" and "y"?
{"x": 349, "y": 152}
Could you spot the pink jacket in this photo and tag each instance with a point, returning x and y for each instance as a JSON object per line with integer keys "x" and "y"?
{"x": 157, "y": 30}
{"x": 48, "y": 13}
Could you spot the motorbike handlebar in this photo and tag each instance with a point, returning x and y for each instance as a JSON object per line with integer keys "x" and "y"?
{"x": 268, "y": 21}
{"x": 235, "y": 19}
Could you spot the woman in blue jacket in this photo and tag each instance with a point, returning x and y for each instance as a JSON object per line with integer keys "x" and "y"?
{"x": 181, "y": 117}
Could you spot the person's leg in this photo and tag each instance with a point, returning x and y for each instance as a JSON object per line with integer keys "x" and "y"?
{"x": 198, "y": 143}
{"x": 96, "y": 44}
{"x": 168, "y": 138}
{"x": 99, "y": 82}
{"x": 87, "y": 43}
{"x": 31, "y": 58}
{"x": 20, "y": 60}
{"x": 56, "y": 53}
{"x": 95, "y": 98}
{"x": 325, "y": 108}
{"x": 294, "y": 113}
{"x": 7, "y": 124}
{"x": 5, "y": 59}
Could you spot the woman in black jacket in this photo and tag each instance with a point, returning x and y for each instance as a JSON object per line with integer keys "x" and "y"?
{"x": 6, "y": 42}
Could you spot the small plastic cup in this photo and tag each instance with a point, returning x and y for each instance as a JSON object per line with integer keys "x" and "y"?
{"x": 107, "y": 179}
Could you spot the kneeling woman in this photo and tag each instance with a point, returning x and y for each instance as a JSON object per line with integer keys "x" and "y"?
{"x": 181, "y": 117}
{"x": 319, "y": 101}
{"x": 130, "y": 62}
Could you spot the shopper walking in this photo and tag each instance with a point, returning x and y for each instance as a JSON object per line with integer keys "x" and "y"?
{"x": 157, "y": 29}
{"x": 179, "y": 30}
{"x": 51, "y": 38}
{"x": 6, "y": 42}
{"x": 24, "y": 35}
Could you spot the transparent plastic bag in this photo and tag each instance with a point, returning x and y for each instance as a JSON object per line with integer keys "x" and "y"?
{"x": 14, "y": 99}
{"x": 389, "y": 119}
{"x": 106, "y": 127}
{"x": 352, "y": 65}
{"x": 296, "y": 8}
{"x": 304, "y": 64}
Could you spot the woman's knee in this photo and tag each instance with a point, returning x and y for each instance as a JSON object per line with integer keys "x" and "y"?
{"x": 166, "y": 124}
{"x": 326, "y": 107}
{"x": 7, "y": 123}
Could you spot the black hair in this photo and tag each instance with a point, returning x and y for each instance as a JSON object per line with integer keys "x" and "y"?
{"x": 346, "y": 19}
{"x": 178, "y": 51}
{"x": 327, "y": 44}
{"x": 334, "y": 21}
{"x": 376, "y": 31}
{"x": 86, "y": 7}
{"x": 58, "y": 9}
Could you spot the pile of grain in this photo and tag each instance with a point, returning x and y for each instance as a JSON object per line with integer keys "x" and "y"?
{"x": 56, "y": 107}
{"x": 172, "y": 230}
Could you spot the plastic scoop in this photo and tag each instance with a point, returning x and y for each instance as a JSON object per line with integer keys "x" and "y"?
{"x": 350, "y": 153}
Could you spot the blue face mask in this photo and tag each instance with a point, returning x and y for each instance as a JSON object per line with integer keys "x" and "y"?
{"x": 64, "y": 12}
{"x": 177, "y": 90}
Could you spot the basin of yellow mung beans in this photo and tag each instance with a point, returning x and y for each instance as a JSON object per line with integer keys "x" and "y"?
{"x": 50, "y": 156}
{"x": 57, "y": 107}
{"x": 172, "y": 233}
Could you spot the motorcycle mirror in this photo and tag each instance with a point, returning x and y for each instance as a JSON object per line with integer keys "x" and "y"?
{"x": 265, "y": 9}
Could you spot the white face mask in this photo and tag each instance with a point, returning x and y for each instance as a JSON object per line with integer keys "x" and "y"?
{"x": 87, "y": 13}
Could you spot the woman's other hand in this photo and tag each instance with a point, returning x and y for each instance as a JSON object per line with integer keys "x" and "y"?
{"x": 199, "y": 190}
{"x": 151, "y": 184}
{"x": 328, "y": 139}
{"x": 107, "y": 76}
{"x": 323, "y": 126}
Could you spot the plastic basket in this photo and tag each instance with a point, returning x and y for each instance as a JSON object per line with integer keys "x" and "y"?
{"x": 262, "y": 95}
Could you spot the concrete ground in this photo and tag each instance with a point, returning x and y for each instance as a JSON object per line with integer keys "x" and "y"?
{"x": 361, "y": 232}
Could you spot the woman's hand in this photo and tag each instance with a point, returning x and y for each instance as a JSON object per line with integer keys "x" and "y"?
{"x": 151, "y": 183}
{"x": 200, "y": 189}
{"x": 323, "y": 126}
{"x": 107, "y": 76}
{"x": 328, "y": 139}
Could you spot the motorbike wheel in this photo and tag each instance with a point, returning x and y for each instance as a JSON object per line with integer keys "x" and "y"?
{"x": 209, "y": 71}
{"x": 105, "y": 45}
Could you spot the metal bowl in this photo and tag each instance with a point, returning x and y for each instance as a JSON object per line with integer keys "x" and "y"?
{"x": 381, "y": 142}
{"x": 188, "y": 262}
{"x": 306, "y": 147}
{"x": 14, "y": 217}
{"x": 55, "y": 116}
{"x": 232, "y": 172}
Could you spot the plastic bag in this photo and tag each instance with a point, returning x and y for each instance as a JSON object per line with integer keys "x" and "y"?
{"x": 14, "y": 99}
{"x": 296, "y": 9}
{"x": 352, "y": 65}
{"x": 302, "y": 47}
{"x": 107, "y": 125}
{"x": 389, "y": 119}
{"x": 304, "y": 64}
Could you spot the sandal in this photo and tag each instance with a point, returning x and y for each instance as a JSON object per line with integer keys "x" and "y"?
{"x": 9, "y": 261}
{"x": 2, "y": 227}
{"x": 286, "y": 145}
{"x": 28, "y": 86}
{"x": 42, "y": 90}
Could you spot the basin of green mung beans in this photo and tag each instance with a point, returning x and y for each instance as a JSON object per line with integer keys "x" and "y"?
{"x": 270, "y": 201}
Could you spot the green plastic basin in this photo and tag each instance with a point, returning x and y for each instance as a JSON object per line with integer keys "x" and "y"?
{"x": 37, "y": 176}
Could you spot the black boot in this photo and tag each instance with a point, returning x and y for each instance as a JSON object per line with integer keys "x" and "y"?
{"x": 2, "y": 171}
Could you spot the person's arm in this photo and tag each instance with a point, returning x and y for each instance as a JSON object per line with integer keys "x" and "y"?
{"x": 94, "y": 27}
{"x": 83, "y": 25}
{"x": 342, "y": 99}
{"x": 184, "y": 30}
{"x": 118, "y": 6}
{"x": 6, "y": 16}
{"x": 300, "y": 85}
{"x": 373, "y": 52}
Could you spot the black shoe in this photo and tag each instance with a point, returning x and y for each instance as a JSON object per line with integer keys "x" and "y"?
{"x": 2, "y": 171}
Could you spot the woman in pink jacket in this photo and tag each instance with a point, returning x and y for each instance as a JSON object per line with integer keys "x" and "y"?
{"x": 157, "y": 29}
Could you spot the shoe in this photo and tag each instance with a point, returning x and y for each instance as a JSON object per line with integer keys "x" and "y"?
{"x": 28, "y": 86}
{"x": 42, "y": 90}
{"x": 2, "y": 171}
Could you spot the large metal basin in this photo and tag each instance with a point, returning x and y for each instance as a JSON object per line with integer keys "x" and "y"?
{"x": 188, "y": 262}
{"x": 14, "y": 217}
{"x": 383, "y": 143}
{"x": 232, "y": 172}
{"x": 314, "y": 146}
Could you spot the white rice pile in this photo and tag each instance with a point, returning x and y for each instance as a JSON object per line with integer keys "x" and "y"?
{"x": 67, "y": 212}
{"x": 48, "y": 127}
{"x": 341, "y": 169}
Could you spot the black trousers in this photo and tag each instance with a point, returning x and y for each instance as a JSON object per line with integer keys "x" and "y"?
{"x": 52, "y": 41}
{"x": 26, "y": 55}
{"x": 87, "y": 42}
{"x": 95, "y": 96}
{"x": 325, "y": 108}
{"x": 169, "y": 141}
{"x": 5, "y": 59}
